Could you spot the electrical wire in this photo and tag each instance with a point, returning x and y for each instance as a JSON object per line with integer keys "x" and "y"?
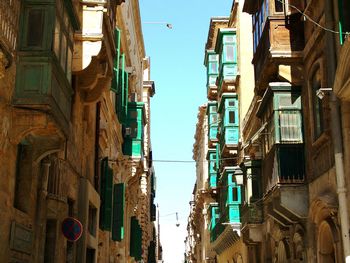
{"x": 313, "y": 21}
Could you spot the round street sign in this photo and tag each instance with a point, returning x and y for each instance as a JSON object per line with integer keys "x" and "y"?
{"x": 72, "y": 228}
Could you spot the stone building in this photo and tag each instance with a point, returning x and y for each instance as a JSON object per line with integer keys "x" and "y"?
{"x": 293, "y": 154}
{"x": 75, "y": 95}
{"x": 215, "y": 218}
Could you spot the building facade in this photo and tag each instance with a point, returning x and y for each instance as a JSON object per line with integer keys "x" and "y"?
{"x": 285, "y": 179}
{"x": 75, "y": 142}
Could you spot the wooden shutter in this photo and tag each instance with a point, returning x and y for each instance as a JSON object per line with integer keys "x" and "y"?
{"x": 135, "y": 239}
{"x": 115, "y": 80}
{"x": 106, "y": 196}
{"x": 118, "y": 212}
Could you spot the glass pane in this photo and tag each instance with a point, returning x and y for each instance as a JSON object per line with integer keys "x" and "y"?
{"x": 212, "y": 80}
{"x": 56, "y": 39}
{"x": 69, "y": 65}
{"x": 231, "y": 117}
{"x": 278, "y": 6}
{"x": 234, "y": 194}
{"x": 229, "y": 53}
{"x": 228, "y": 39}
{"x": 231, "y": 103}
{"x": 63, "y": 58}
{"x": 35, "y": 28}
{"x": 213, "y": 57}
{"x": 213, "y": 67}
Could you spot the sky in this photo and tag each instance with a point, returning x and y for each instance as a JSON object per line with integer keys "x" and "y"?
{"x": 177, "y": 68}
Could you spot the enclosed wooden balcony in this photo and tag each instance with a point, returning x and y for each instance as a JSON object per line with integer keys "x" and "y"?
{"x": 44, "y": 63}
{"x": 278, "y": 41}
{"x": 213, "y": 123}
{"x": 228, "y": 130}
{"x": 226, "y": 47}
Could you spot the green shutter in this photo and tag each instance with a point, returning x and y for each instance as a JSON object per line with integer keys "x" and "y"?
{"x": 135, "y": 239}
{"x": 125, "y": 94}
{"x": 115, "y": 79}
{"x": 106, "y": 196}
{"x": 120, "y": 101}
{"x": 118, "y": 212}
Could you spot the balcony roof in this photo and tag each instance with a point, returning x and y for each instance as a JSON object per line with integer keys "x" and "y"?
{"x": 215, "y": 24}
{"x": 250, "y": 6}
{"x": 221, "y": 33}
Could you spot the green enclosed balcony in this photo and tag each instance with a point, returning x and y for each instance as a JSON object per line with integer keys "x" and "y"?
{"x": 226, "y": 47}
{"x": 230, "y": 200}
{"x": 212, "y": 174}
{"x": 214, "y": 218}
{"x": 133, "y": 130}
{"x": 212, "y": 64}
{"x": 213, "y": 123}
{"x": 44, "y": 63}
{"x": 229, "y": 124}
{"x": 284, "y": 162}
{"x": 281, "y": 114}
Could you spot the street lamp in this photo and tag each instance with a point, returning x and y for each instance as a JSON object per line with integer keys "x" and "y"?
{"x": 168, "y": 25}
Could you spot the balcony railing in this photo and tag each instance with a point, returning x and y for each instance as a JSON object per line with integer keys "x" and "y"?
{"x": 9, "y": 16}
{"x": 284, "y": 164}
{"x": 252, "y": 213}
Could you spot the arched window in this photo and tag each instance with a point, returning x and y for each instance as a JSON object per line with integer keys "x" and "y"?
{"x": 317, "y": 107}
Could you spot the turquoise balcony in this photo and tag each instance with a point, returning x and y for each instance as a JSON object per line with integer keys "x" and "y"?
{"x": 212, "y": 175}
{"x": 133, "y": 130}
{"x": 212, "y": 123}
{"x": 230, "y": 201}
{"x": 211, "y": 62}
{"x": 229, "y": 123}
{"x": 226, "y": 47}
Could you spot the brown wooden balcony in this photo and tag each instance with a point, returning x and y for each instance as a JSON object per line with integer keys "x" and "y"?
{"x": 280, "y": 45}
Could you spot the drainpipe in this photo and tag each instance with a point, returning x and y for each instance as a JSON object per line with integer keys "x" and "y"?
{"x": 336, "y": 132}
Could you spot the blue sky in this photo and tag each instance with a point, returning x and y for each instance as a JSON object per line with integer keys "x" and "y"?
{"x": 177, "y": 68}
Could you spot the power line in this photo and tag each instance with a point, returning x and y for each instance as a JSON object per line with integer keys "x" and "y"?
{"x": 313, "y": 21}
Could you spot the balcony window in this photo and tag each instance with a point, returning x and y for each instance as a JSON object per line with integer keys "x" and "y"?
{"x": 226, "y": 47}
{"x": 212, "y": 121}
{"x": 281, "y": 111}
{"x": 229, "y": 127}
{"x": 317, "y": 107}
{"x": 212, "y": 64}
{"x": 258, "y": 20}
{"x": 344, "y": 20}
{"x": 212, "y": 170}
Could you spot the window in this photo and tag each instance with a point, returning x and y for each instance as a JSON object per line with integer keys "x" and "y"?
{"x": 63, "y": 40}
{"x": 278, "y": 6}
{"x": 317, "y": 108}
{"x": 258, "y": 21}
{"x": 231, "y": 117}
{"x": 50, "y": 241}
{"x": 23, "y": 177}
{"x": 92, "y": 221}
{"x": 35, "y": 27}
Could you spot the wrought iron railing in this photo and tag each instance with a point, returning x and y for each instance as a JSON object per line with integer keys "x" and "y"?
{"x": 9, "y": 16}
{"x": 252, "y": 213}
